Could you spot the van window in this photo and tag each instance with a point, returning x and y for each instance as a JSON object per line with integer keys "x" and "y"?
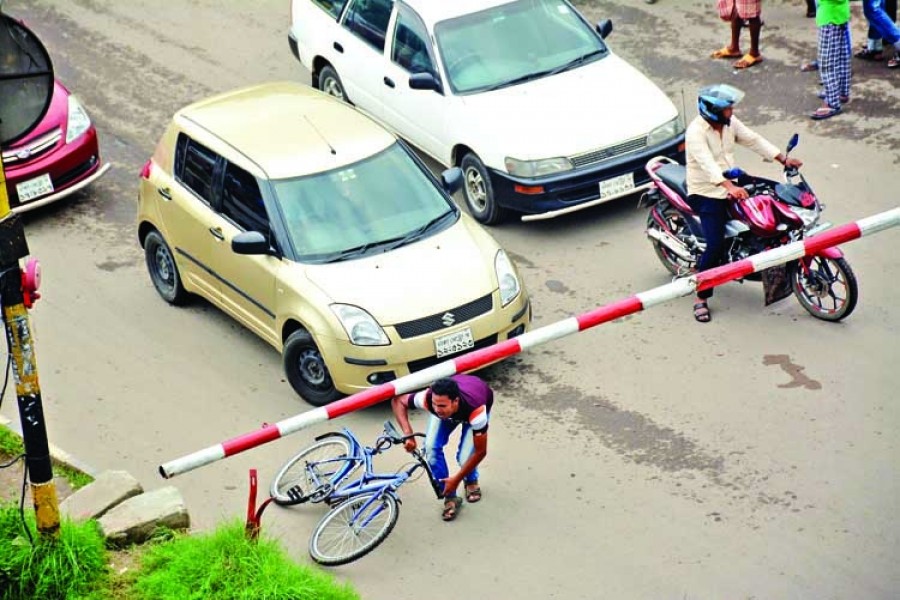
{"x": 194, "y": 167}
{"x": 410, "y": 49}
{"x": 369, "y": 20}
{"x": 332, "y": 7}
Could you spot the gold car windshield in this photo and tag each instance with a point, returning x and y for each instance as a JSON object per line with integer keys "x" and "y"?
{"x": 383, "y": 202}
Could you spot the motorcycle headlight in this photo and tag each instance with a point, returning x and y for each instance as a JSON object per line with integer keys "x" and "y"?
{"x": 666, "y": 132}
{"x": 361, "y": 328}
{"x": 78, "y": 122}
{"x": 506, "y": 276}
{"x": 536, "y": 168}
{"x": 809, "y": 216}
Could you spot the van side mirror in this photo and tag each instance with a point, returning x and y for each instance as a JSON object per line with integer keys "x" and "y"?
{"x": 451, "y": 180}
{"x": 604, "y": 28}
{"x": 425, "y": 81}
{"x": 250, "y": 242}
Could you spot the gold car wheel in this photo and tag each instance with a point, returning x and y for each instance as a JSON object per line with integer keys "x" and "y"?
{"x": 163, "y": 271}
{"x": 307, "y": 371}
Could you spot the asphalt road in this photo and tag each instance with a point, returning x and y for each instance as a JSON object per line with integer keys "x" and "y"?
{"x": 753, "y": 457}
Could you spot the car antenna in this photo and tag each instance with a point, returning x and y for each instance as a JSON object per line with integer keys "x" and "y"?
{"x": 311, "y": 124}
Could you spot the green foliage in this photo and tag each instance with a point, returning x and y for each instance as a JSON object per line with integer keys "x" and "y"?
{"x": 10, "y": 443}
{"x": 53, "y": 568}
{"x": 225, "y": 565}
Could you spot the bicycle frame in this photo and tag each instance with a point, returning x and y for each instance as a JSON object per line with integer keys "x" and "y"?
{"x": 369, "y": 481}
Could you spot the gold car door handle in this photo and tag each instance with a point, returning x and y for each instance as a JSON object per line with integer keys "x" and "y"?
{"x": 217, "y": 233}
{"x": 165, "y": 193}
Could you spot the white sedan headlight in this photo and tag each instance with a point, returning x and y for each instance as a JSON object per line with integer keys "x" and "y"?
{"x": 666, "y": 132}
{"x": 537, "y": 168}
{"x": 361, "y": 328}
{"x": 506, "y": 275}
{"x": 79, "y": 121}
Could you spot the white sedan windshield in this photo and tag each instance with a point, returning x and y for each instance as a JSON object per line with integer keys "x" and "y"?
{"x": 513, "y": 43}
{"x": 375, "y": 205}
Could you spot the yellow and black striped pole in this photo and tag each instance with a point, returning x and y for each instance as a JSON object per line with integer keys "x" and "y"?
{"x": 13, "y": 247}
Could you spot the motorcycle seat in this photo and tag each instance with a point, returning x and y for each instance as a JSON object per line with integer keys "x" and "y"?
{"x": 674, "y": 176}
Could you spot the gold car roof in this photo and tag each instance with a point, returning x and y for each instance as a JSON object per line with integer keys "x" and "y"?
{"x": 287, "y": 129}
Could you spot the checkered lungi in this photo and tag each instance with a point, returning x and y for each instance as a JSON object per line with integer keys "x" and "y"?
{"x": 834, "y": 62}
{"x": 746, "y": 9}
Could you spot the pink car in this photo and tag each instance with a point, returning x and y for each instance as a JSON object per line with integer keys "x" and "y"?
{"x": 57, "y": 158}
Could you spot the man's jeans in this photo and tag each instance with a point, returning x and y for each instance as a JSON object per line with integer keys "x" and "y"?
{"x": 879, "y": 22}
{"x": 436, "y": 437}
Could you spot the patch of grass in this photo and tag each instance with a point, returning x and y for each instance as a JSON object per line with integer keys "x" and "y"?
{"x": 225, "y": 565}
{"x": 12, "y": 446}
{"x": 63, "y": 568}
{"x": 10, "y": 443}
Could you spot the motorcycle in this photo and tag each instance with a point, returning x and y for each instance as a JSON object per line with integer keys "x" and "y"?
{"x": 775, "y": 214}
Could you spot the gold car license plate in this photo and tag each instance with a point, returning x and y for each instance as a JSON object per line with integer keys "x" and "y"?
{"x": 617, "y": 185}
{"x": 33, "y": 188}
{"x": 454, "y": 342}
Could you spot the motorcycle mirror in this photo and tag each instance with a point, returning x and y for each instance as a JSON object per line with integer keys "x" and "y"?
{"x": 793, "y": 142}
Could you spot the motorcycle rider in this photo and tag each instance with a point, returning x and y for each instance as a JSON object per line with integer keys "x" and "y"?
{"x": 710, "y": 140}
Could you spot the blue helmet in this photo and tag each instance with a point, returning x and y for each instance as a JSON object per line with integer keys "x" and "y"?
{"x": 714, "y": 99}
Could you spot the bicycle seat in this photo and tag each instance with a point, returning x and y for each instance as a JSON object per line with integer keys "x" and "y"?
{"x": 675, "y": 177}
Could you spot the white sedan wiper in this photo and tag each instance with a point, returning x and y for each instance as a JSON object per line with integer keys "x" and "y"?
{"x": 538, "y": 74}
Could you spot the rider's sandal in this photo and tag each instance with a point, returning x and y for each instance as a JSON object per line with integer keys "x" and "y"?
{"x": 701, "y": 312}
{"x": 451, "y": 508}
{"x": 473, "y": 493}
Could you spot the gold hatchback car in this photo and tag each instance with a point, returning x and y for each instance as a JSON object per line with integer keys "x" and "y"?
{"x": 321, "y": 232}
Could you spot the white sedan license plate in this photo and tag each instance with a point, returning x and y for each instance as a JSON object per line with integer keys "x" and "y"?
{"x": 33, "y": 188}
{"x": 454, "y": 342}
{"x": 617, "y": 185}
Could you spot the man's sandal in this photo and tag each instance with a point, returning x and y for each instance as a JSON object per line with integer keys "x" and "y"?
{"x": 451, "y": 508}
{"x": 726, "y": 52}
{"x": 747, "y": 61}
{"x": 473, "y": 493}
{"x": 701, "y": 312}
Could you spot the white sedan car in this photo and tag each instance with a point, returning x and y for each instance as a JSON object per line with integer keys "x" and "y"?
{"x": 524, "y": 95}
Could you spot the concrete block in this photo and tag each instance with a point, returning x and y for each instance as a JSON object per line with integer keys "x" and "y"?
{"x": 109, "y": 489}
{"x": 134, "y": 520}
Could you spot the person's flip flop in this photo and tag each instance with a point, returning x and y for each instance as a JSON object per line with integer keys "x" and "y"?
{"x": 894, "y": 63}
{"x": 824, "y": 112}
{"x": 701, "y": 312}
{"x": 473, "y": 493}
{"x": 812, "y": 65}
{"x": 726, "y": 52}
{"x": 747, "y": 61}
{"x": 451, "y": 508}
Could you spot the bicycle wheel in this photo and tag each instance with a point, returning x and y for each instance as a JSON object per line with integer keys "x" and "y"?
{"x": 353, "y": 528}
{"x": 294, "y": 484}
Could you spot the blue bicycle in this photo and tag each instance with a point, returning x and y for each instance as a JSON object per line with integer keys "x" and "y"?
{"x": 364, "y": 509}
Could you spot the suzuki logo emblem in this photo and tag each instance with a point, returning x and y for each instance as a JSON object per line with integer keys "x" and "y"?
{"x": 23, "y": 154}
{"x": 448, "y": 319}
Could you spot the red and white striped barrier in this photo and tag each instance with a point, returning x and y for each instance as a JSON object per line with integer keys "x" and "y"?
{"x": 477, "y": 358}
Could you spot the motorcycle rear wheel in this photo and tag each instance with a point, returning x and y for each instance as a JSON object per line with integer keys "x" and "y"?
{"x": 675, "y": 264}
{"x": 828, "y": 290}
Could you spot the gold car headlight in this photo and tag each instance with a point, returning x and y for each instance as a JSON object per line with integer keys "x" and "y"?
{"x": 506, "y": 277}
{"x": 537, "y": 168}
{"x": 361, "y": 327}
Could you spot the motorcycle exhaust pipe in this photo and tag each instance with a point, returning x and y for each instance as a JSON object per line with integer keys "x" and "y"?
{"x": 670, "y": 242}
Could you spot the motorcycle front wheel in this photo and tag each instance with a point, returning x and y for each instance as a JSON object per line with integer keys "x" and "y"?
{"x": 675, "y": 264}
{"x": 825, "y": 287}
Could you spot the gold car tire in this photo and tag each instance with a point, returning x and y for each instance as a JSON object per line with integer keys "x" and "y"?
{"x": 330, "y": 83}
{"x": 163, "y": 270}
{"x": 478, "y": 191}
{"x": 306, "y": 370}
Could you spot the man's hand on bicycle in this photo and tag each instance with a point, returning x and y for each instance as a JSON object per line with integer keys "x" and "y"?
{"x": 410, "y": 444}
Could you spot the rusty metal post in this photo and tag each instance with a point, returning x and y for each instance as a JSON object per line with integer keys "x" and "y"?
{"x": 13, "y": 247}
